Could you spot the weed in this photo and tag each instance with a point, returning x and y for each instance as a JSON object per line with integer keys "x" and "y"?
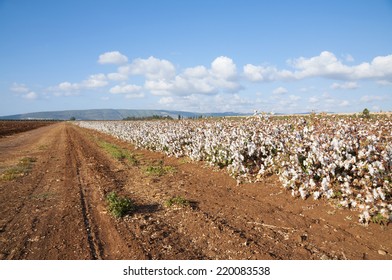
{"x": 118, "y": 152}
{"x": 178, "y": 201}
{"x": 185, "y": 160}
{"x": 379, "y": 219}
{"x": 43, "y": 147}
{"x": 119, "y": 206}
{"x": 43, "y": 196}
{"x": 337, "y": 194}
{"x": 160, "y": 169}
{"x": 22, "y": 168}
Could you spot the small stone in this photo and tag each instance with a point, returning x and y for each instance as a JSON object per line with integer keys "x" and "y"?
{"x": 324, "y": 257}
{"x": 301, "y": 238}
{"x": 382, "y": 252}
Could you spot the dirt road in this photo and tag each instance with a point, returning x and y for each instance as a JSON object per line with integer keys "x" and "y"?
{"x": 57, "y": 210}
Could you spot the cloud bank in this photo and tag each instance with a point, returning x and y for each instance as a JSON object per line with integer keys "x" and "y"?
{"x": 325, "y": 65}
{"x": 222, "y": 84}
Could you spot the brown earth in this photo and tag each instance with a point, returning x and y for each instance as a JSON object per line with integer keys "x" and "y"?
{"x": 12, "y": 127}
{"x": 57, "y": 210}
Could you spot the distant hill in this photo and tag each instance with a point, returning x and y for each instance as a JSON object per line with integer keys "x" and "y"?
{"x": 110, "y": 114}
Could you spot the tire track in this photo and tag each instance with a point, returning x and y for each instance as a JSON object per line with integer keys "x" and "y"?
{"x": 94, "y": 243}
{"x": 108, "y": 238}
{"x": 146, "y": 231}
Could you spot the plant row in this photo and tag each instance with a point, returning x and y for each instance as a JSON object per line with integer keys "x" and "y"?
{"x": 345, "y": 159}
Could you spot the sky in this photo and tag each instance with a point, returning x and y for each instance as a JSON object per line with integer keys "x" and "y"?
{"x": 200, "y": 56}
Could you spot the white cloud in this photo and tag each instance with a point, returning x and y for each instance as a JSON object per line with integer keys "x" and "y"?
{"x": 223, "y": 68}
{"x": 264, "y": 73}
{"x": 67, "y": 86}
{"x": 325, "y": 65}
{"x": 125, "y": 89}
{"x": 346, "y": 85}
{"x": 344, "y": 103}
{"x": 166, "y": 100}
{"x": 134, "y": 95}
{"x": 384, "y": 83}
{"x": 185, "y": 85}
{"x": 371, "y": 98}
{"x": 294, "y": 97}
{"x": 68, "y": 89}
{"x": 23, "y": 91}
{"x": 196, "y": 80}
{"x": 19, "y": 88}
{"x": 117, "y": 77}
{"x": 210, "y": 103}
{"x": 313, "y": 100}
{"x": 196, "y": 72}
{"x": 152, "y": 68}
{"x": 31, "y": 95}
{"x": 114, "y": 57}
{"x": 280, "y": 90}
{"x": 95, "y": 81}
{"x": 160, "y": 87}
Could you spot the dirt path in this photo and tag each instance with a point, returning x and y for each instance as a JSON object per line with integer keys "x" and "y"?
{"x": 58, "y": 210}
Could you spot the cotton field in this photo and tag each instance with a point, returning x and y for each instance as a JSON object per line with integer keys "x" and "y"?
{"x": 347, "y": 159}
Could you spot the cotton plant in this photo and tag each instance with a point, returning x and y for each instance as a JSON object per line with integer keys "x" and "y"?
{"x": 346, "y": 159}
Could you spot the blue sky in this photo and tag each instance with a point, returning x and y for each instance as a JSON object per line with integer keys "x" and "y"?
{"x": 202, "y": 56}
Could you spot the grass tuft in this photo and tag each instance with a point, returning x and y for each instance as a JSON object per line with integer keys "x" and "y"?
{"x": 178, "y": 201}
{"x": 160, "y": 169}
{"x": 118, "y": 152}
{"x": 119, "y": 206}
{"x": 22, "y": 168}
{"x": 380, "y": 219}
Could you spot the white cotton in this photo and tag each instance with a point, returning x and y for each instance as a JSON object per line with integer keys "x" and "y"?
{"x": 329, "y": 193}
{"x": 303, "y": 192}
{"x": 324, "y": 184}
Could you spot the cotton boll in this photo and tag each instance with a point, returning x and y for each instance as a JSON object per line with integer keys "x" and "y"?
{"x": 329, "y": 193}
{"x": 371, "y": 170}
{"x": 381, "y": 193}
{"x": 364, "y": 217}
{"x": 294, "y": 193}
{"x": 369, "y": 198}
{"x": 344, "y": 203}
{"x": 303, "y": 192}
{"x": 324, "y": 184}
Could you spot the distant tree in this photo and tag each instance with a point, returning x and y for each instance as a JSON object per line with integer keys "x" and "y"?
{"x": 72, "y": 119}
{"x": 179, "y": 117}
{"x": 149, "y": 118}
{"x": 366, "y": 113}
